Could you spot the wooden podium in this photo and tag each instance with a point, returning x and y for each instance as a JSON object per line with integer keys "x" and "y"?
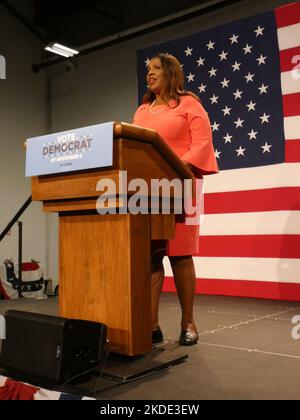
{"x": 104, "y": 260}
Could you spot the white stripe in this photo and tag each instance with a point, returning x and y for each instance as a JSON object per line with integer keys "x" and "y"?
{"x": 289, "y": 36}
{"x": 289, "y": 83}
{"x": 248, "y": 269}
{"x": 265, "y": 223}
{"x": 248, "y": 179}
{"x": 46, "y": 395}
{"x": 292, "y": 128}
{"x": 2, "y": 381}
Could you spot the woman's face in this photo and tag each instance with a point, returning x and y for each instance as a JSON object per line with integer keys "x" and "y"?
{"x": 155, "y": 76}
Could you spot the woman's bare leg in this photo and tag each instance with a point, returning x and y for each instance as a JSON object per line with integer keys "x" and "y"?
{"x": 185, "y": 280}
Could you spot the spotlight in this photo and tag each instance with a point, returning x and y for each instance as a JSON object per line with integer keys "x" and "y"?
{"x": 62, "y": 50}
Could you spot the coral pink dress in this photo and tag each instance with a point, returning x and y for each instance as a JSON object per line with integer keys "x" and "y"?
{"x": 187, "y": 130}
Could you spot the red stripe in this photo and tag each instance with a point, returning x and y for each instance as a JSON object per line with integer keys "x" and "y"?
{"x": 292, "y": 151}
{"x": 254, "y": 246}
{"x": 291, "y": 105}
{"x": 288, "y": 15}
{"x": 247, "y": 289}
{"x": 286, "y": 58}
{"x": 274, "y": 199}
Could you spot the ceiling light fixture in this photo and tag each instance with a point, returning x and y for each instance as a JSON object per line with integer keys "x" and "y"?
{"x": 62, "y": 50}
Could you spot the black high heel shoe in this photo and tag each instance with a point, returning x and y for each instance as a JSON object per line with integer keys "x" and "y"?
{"x": 188, "y": 338}
{"x": 157, "y": 336}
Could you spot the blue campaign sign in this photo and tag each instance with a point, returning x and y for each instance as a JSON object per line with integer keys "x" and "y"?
{"x": 69, "y": 151}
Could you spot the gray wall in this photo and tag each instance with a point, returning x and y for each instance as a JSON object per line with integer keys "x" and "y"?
{"x": 22, "y": 115}
{"x": 104, "y": 87}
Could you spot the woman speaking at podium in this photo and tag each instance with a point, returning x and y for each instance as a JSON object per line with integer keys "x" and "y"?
{"x": 180, "y": 119}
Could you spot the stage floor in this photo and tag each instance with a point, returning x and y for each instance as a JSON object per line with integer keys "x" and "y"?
{"x": 246, "y": 351}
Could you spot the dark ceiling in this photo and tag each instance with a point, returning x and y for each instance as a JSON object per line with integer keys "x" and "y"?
{"x": 80, "y": 22}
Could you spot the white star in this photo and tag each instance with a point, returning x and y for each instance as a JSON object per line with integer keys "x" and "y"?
{"x": 225, "y": 83}
{"x": 191, "y": 77}
{"x": 213, "y": 72}
{"x": 265, "y": 118}
{"x": 201, "y": 61}
{"x": 211, "y": 45}
{"x": 263, "y": 89}
{"x": 238, "y": 94}
{"x": 239, "y": 123}
{"x": 227, "y": 138}
{"x": 261, "y": 60}
{"x": 266, "y": 148}
{"x": 234, "y": 39}
{"x": 252, "y": 135}
{"x": 147, "y": 62}
{"x": 236, "y": 66}
{"x": 202, "y": 88}
{"x": 223, "y": 56}
{"x": 249, "y": 77}
{"x": 188, "y": 51}
{"x": 214, "y": 99}
{"x": 251, "y": 106}
{"x": 241, "y": 151}
{"x": 259, "y": 31}
{"x": 215, "y": 127}
{"x": 248, "y": 49}
{"x": 226, "y": 110}
{"x": 217, "y": 154}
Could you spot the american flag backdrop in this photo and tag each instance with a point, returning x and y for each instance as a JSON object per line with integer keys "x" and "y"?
{"x": 12, "y": 390}
{"x": 247, "y": 75}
